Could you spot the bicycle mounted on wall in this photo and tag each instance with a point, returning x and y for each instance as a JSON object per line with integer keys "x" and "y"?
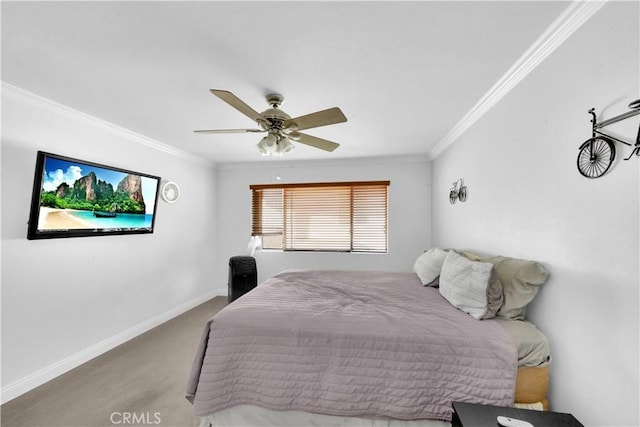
{"x": 597, "y": 153}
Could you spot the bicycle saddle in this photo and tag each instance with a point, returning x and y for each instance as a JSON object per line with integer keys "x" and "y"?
{"x": 635, "y": 104}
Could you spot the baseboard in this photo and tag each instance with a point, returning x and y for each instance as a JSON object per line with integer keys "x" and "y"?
{"x": 25, "y": 384}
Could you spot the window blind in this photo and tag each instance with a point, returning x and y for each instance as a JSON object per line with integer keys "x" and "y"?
{"x": 330, "y": 216}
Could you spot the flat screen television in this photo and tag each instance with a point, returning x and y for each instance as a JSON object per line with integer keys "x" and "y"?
{"x": 77, "y": 198}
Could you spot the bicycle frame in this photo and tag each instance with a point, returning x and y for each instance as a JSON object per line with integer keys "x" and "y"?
{"x": 595, "y": 129}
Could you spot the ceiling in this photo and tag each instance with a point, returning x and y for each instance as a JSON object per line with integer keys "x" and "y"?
{"x": 404, "y": 73}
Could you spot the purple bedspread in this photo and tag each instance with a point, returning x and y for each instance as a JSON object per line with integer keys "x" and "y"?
{"x": 368, "y": 344}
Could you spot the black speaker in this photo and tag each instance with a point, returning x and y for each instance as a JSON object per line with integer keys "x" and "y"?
{"x": 243, "y": 276}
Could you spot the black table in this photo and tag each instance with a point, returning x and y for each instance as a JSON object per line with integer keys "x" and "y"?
{"x": 476, "y": 415}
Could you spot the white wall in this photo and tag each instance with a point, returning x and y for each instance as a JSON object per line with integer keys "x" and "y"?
{"x": 408, "y": 210}
{"x": 527, "y": 200}
{"x": 65, "y": 301}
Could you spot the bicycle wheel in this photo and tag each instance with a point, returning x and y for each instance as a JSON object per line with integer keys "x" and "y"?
{"x": 462, "y": 193}
{"x": 453, "y": 196}
{"x": 595, "y": 157}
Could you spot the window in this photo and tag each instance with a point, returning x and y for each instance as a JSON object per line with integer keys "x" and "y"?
{"x": 331, "y": 216}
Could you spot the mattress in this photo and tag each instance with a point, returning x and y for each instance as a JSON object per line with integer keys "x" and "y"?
{"x": 534, "y": 357}
{"x": 255, "y": 416}
{"x": 287, "y": 289}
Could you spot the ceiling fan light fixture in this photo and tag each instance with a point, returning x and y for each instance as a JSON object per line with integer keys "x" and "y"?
{"x": 285, "y": 146}
{"x": 275, "y": 145}
{"x": 268, "y": 145}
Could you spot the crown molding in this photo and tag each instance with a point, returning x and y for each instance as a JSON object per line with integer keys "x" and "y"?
{"x": 343, "y": 161}
{"x": 572, "y": 18}
{"x": 63, "y": 110}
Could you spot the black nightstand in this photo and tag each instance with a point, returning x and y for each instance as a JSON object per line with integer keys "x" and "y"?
{"x": 475, "y": 415}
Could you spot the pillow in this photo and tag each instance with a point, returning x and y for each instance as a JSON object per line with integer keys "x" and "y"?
{"x": 521, "y": 280}
{"x": 428, "y": 266}
{"x": 471, "y": 286}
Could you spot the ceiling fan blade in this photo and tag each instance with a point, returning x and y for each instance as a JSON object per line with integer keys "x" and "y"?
{"x": 239, "y": 105}
{"x": 320, "y": 118}
{"x": 316, "y": 142}
{"x": 228, "y": 130}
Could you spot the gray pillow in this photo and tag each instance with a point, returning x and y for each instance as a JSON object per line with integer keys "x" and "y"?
{"x": 471, "y": 286}
{"x": 428, "y": 266}
{"x": 521, "y": 280}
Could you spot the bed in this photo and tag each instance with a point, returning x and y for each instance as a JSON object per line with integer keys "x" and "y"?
{"x": 368, "y": 348}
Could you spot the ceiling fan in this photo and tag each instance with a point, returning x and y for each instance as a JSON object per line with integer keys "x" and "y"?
{"x": 279, "y": 126}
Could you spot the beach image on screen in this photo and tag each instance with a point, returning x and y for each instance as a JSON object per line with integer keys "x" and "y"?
{"x": 77, "y": 196}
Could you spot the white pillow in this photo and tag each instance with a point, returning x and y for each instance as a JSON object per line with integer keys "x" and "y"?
{"x": 471, "y": 286}
{"x": 428, "y": 266}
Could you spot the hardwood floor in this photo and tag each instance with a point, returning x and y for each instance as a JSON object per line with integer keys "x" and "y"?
{"x": 141, "y": 382}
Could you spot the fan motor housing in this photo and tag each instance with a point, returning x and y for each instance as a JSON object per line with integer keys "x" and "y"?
{"x": 275, "y": 115}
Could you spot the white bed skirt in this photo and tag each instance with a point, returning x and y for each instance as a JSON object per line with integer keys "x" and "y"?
{"x": 254, "y": 416}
